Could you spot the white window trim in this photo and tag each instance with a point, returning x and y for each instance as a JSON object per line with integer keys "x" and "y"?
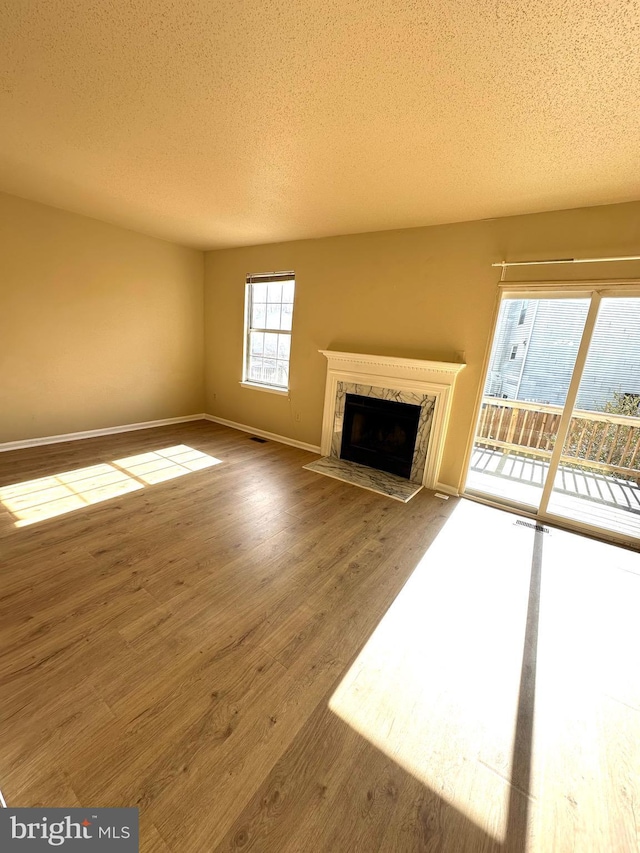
{"x": 271, "y": 389}
{"x": 245, "y": 382}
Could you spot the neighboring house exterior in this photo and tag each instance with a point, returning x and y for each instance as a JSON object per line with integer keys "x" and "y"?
{"x": 536, "y": 346}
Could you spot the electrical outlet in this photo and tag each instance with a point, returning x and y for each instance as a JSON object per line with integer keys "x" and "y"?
{"x": 296, "y": 417}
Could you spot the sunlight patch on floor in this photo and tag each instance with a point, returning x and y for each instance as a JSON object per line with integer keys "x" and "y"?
{"x": 57, "y": 494}
{"x": 436, "y": 686}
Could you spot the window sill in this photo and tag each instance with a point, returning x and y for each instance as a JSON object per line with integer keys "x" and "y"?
{"x": 283, "y": 392}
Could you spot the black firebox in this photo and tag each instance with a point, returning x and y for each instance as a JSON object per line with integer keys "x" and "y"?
{"x": 380, "y": 433}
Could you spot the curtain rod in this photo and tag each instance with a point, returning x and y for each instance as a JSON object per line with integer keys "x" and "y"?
{"x": 504, "y": 264}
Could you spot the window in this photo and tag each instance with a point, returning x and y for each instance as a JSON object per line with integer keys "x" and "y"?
{"x": 268, "y": 321}
{"x": 523, "y": 313}
{"x": 514, "y": 352}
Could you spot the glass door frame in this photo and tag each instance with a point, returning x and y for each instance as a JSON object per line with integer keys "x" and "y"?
{"x": 595, "y": 291}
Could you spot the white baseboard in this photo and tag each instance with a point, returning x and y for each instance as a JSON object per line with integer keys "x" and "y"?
{"x": 272, "y": 436}
{"x": 448, "y": 490}
{"x": 94, "y": 433}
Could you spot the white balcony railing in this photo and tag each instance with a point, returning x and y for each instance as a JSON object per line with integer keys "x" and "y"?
{"x": 607, "y": 442}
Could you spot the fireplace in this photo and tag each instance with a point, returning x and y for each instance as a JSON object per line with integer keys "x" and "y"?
{"x": 426, "y": 386}
{"x": 380, "y": 433}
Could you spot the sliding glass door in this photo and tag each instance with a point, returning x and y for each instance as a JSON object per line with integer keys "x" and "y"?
{"x": 559, "y": 428}
{"x": 598, "y": 475}
{"x": 532, "y": 361}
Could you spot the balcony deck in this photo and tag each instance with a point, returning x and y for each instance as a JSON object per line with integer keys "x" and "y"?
{"x": 598, "y": 478}
{"x": 590, "y": 497}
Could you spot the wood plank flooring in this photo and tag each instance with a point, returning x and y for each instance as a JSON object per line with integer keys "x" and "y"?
{"x": 261, "y": 658}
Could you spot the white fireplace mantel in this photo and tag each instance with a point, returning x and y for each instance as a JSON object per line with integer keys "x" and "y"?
{"x": 433, "y": 378}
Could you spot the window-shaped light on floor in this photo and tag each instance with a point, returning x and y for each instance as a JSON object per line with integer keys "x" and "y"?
{"x": 47, "y": 497}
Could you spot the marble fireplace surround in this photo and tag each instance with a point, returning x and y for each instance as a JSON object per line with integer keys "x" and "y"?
{"x": 428, "y": 384}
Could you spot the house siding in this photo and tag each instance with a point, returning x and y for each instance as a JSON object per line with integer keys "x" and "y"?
{"x": 547, "y": 345}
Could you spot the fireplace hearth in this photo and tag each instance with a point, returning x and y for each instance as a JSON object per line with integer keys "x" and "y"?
{"x": 380, "y": 433}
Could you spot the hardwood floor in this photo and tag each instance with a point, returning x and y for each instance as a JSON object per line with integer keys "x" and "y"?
{"x": 261, "y": 658}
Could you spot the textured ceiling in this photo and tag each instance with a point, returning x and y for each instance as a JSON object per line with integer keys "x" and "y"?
{"x": 232, "y": 122}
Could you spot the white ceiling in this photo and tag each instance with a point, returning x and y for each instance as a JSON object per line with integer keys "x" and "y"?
{"x": 233, "y": 122}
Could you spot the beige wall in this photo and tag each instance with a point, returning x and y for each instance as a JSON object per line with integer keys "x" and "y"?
{"x": 99, "y": 326}
{"x": 422, "y": 293}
